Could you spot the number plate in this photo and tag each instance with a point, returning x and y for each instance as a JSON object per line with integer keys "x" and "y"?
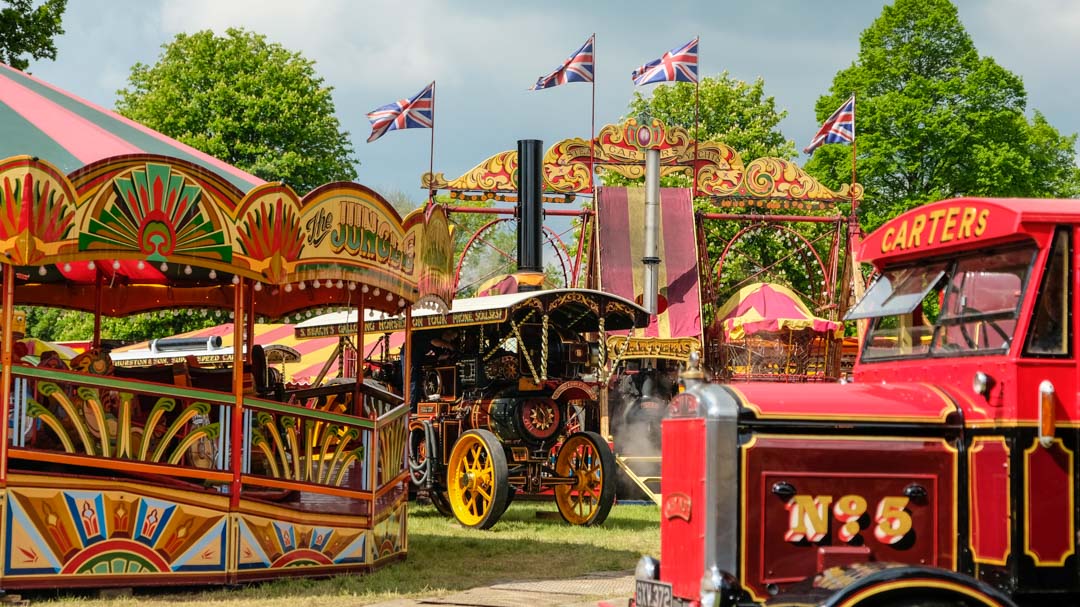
{"x": 652, "y": 594}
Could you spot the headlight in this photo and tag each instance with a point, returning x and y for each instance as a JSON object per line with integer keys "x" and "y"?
{"x": 647, "y": 568}
{"x": 712, "y": 588}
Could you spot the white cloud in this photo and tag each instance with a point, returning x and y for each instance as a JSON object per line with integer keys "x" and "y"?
{"x": 382, "y": 45}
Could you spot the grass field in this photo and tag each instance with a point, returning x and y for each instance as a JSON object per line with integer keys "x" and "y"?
{"x": 443, "y": 558}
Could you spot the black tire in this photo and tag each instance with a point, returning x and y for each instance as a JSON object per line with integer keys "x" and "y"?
{"x": 587, "y": 502}
{"x": 477, "y": 479}
{"x": 441, "y": 502}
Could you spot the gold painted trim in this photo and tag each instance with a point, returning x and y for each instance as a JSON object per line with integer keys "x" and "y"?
{"x": 921, "y": 584}
{"x": 977, "y": 445}
{"x": 948, "y": 407}
{"x": 1071, "y": 471}
{"x": 744, "y": 497}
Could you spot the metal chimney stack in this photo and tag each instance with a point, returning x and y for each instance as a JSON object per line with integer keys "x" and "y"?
{"x": 530, "y": 253}
{"x": 652, "y": 221}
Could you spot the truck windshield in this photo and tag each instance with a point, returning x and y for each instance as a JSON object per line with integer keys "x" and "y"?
{"x": 956, "y": 307}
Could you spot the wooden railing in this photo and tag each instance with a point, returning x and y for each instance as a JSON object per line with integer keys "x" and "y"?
{"x": 128, "y": 427}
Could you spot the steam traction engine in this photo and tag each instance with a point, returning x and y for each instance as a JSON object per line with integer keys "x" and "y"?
{"x": 944, "y": 474}
{"x": 508, "y": 390}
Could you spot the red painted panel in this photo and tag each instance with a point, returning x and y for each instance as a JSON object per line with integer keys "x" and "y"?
{"x": 846, "y": 402}
{"x": 682, "y": 518}
{"x": 847, "y": 492}
{"x": 1049, "y": 536}
{"x": 988, "y": 497}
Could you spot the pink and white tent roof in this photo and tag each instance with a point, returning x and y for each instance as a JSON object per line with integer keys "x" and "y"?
{"x": 41, "y": 120}
{"x": 767, "y": 307}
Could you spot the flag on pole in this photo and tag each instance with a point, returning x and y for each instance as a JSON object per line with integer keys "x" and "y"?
{"x": 415, "y": 113}
{"x": 578, "y": 68}
{"x": 677, "y": 65}
{"x": 839, "y": 128}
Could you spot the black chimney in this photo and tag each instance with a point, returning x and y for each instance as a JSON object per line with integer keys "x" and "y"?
{"x": 530, "y": 252}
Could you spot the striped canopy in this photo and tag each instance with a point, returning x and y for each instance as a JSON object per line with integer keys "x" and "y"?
{"x": 621, "y": 228}
{"x": 41, "y": 120}
{"x": 313, "y": 352}
{"x": 767, "y": 307}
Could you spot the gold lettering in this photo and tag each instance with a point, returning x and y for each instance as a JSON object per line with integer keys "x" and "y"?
{"x": 901, "y": 236}
{"x": 980, "y": 227}
{"x": 917, "y": 226}
{"x": 966, "y": 221}
{"x": 886, "y": 241}
{"x": 950, "y": 224}
{"x": 893, "y": 521}
{"x": 848, "y": 510}
{"x": 934, "y": 217}
{"x": 808, "y": 518}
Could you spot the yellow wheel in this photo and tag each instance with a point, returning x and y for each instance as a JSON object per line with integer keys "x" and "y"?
{"x": 586, "y": 458}
{"x": 476, "y": 479}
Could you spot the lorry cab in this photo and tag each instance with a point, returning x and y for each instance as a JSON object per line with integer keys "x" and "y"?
{"x": 943, "y": 473}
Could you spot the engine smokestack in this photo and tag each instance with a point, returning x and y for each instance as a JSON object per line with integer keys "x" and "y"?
{"x": 530, "y": 253}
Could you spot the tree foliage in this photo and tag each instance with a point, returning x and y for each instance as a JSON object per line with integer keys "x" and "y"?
{"x": 935, "y": 120}
{"x": 246, "y": 101}
{"x": 55, "y": 324}
{"x": 26, "y": 30}
{"x": 742, "y": 116}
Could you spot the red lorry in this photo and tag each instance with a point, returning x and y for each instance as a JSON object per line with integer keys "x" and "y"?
{"x": 943, "y": 473}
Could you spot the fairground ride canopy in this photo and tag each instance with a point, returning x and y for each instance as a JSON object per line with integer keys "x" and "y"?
{"x": 767, "y": 307}
{"x": 132, "y": 232}
{"x": 722, "y": 174}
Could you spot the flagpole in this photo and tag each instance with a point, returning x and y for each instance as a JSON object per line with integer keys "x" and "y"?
{"x": 431, "y": 155}
{"x": 697, "y": 135}
{"x": 854, "y": 200}
{"x": 592, "y": 138}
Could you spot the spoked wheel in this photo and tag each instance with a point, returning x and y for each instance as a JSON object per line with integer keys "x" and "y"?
{"x": 586, "y": 458}
{"x": 441, "y": 501}
{"x": 476, "y": 479}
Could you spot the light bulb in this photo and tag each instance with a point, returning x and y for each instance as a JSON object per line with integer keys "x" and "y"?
{"x": 352, "y": 286}
{"x": 187, "y": 270}
{"x": 164, "y": 267}
{"x": 235, "y": 280}
{"x": 213, "y": 274}
{"x": 42, "y": 271}
{"x": 339, "y": 284}
{"x": 376, "y": 292}
{"x": 288, "y": 288}
{"x": 91, "y": 265}
{"x": 141, "y": 265}
{"x": 67, "y": 267}
{"x": 316, "y": 284}
{"x": 301, "y": 286}
{"x": 116, "y": 264}
{"x": 364, "y": 289}
{"x": 389, "y": 297}
{"x": 258, "y": 286}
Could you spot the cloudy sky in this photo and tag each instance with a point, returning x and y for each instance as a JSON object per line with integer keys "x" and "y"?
{"x": 484, "y": 56}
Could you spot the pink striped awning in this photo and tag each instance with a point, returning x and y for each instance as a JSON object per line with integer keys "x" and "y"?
{"x": 314, "y": 353}
{"x": 41, "y": 120}
{"x": 621, "y": 226}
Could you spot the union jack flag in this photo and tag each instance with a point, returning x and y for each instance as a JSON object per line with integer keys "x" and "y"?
{"x": 578, "y": 68}
{"x": 415, "y": 113}
{"x": 677, "y": 65}
{"x": 839, "y": 128}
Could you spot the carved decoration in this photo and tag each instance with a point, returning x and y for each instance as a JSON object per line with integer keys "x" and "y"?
{"x": 771, "y": 183}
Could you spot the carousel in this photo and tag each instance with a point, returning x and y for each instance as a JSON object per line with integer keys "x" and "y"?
{"x": 181, "y": 472}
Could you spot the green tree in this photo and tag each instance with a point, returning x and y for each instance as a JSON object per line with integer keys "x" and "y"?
{"x": 935, "y": 120}
{"x": 246, "y": 101}
{"x": 741, "y": 115}
{"x": 26, "y": 30}
{"x": 55, "y": 324}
